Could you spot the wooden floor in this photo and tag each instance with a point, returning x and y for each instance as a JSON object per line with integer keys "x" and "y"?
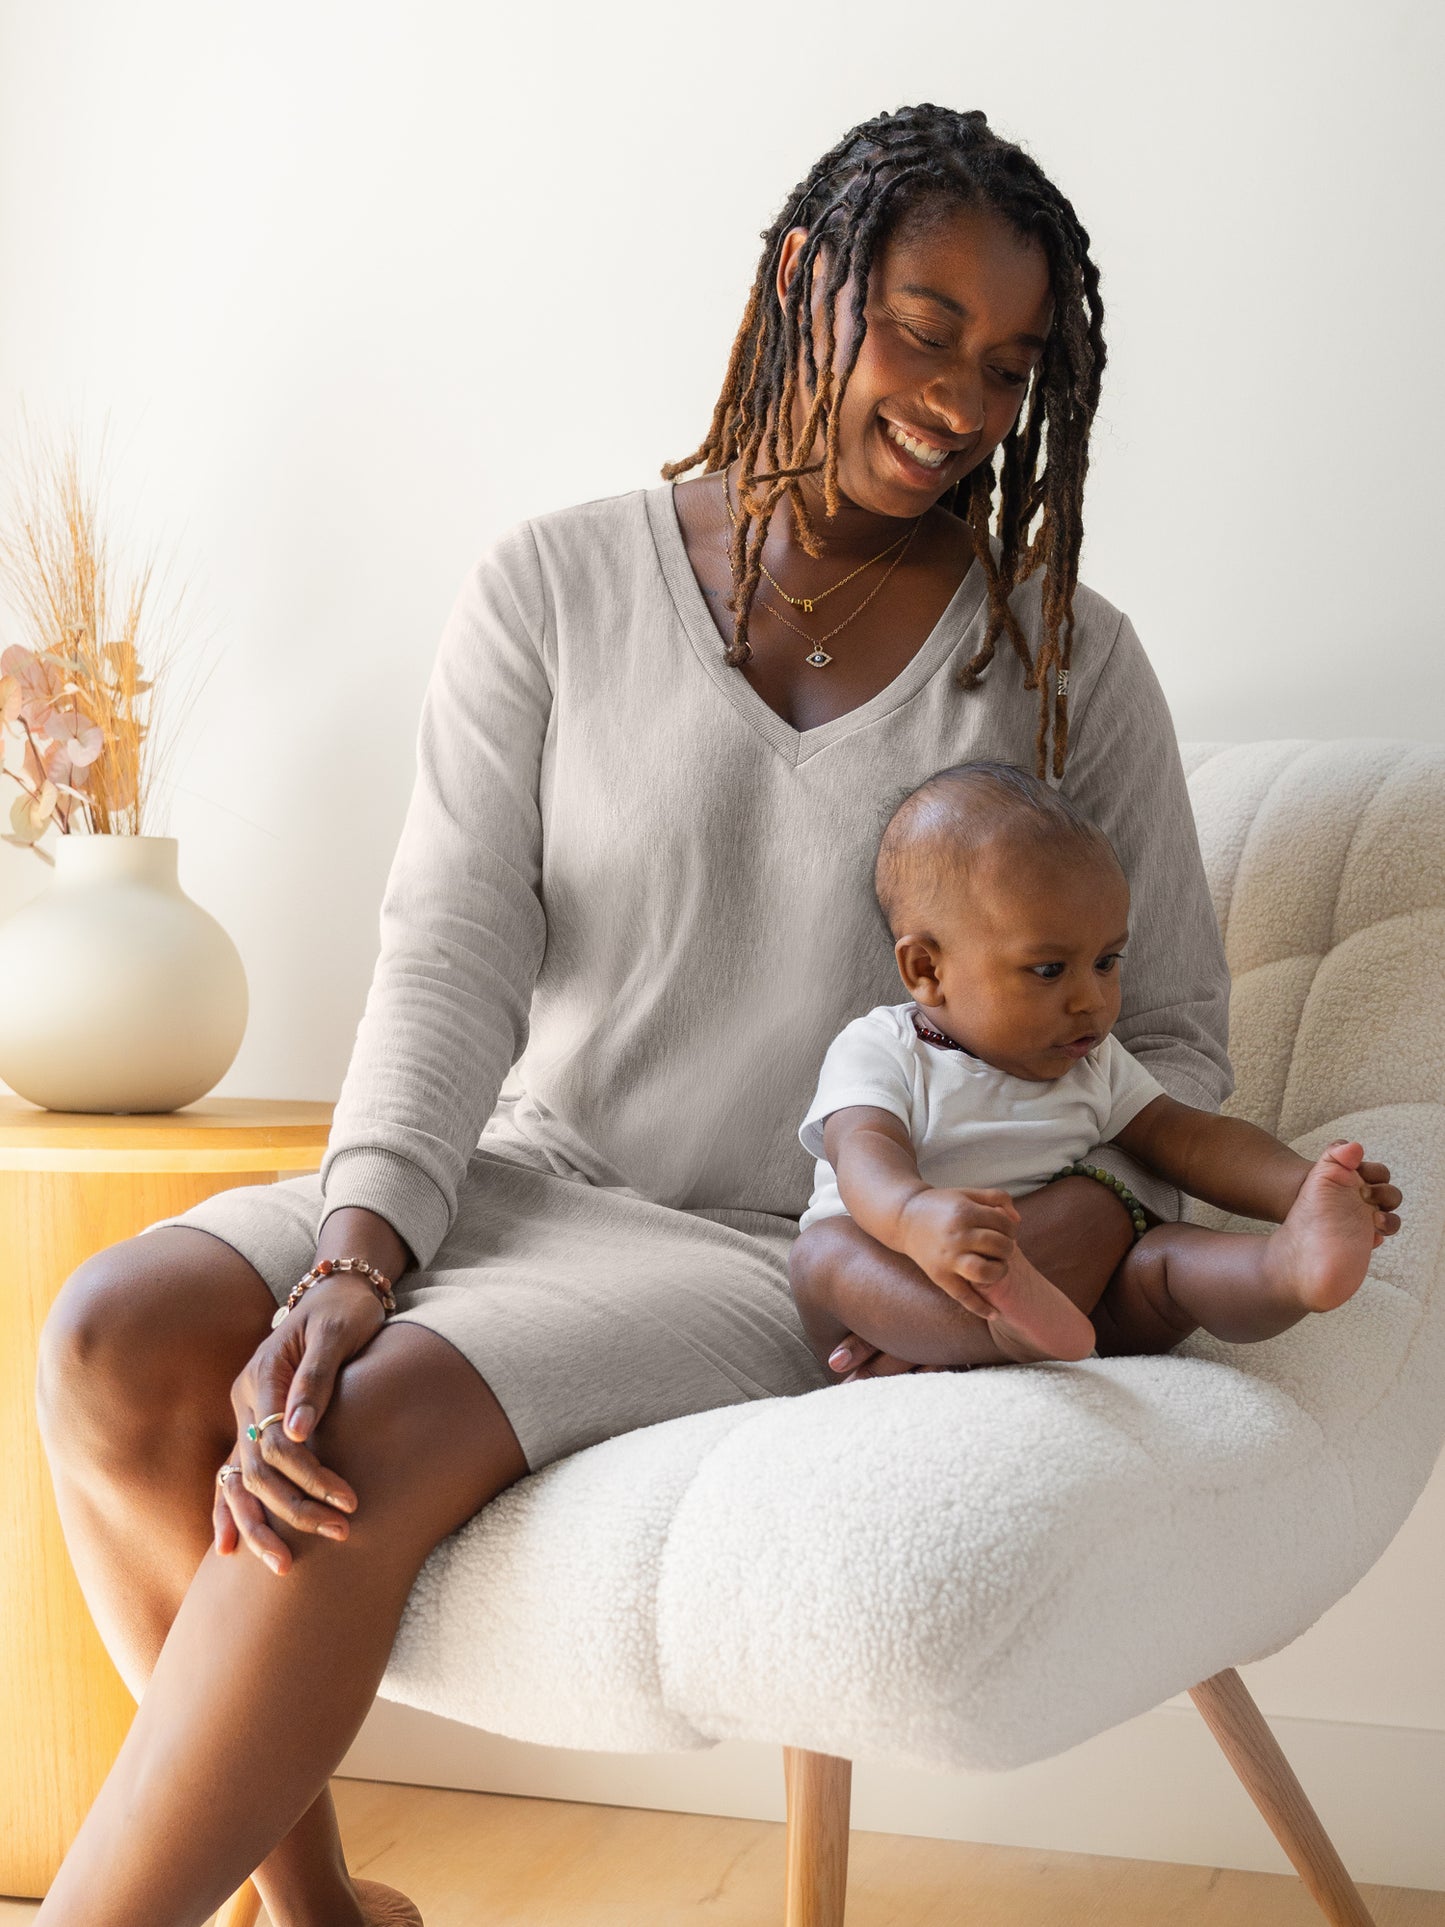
{"x": 489, "y": 1860}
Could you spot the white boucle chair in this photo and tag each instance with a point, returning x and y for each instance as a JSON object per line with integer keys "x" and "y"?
{"x": 977, "y": 1553}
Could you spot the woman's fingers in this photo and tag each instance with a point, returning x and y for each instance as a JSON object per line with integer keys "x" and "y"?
{"x": 280, "y": 1474}
{"x": 279, "y": 1479}
{"x": 328, "y": 1347}
{"x": 283, "y": 1459}
{"x": 284, "y": 1476}
{"x": 881, "y": 1365}
{"x": 249, "y": 1517}
{"x": 223, "y": 1525}
{"x": 850, "y": 1350}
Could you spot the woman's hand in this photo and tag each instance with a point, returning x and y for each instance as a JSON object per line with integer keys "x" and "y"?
{"x": 885, "y": 1365}
{"x": 293, "y": 1369}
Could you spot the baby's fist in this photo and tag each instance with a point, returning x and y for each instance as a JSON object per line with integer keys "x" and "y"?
{"x": 961, "y": 1235}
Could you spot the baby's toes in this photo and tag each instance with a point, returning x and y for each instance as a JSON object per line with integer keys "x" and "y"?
{"x": 1340, "y": 1161}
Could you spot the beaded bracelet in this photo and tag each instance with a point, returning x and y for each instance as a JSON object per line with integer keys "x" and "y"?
{"x": 1078, "y": 1169}
{"x": 381, "y": 1284}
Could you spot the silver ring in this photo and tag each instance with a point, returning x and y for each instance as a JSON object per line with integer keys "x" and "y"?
{"x": 228, "y": 1471}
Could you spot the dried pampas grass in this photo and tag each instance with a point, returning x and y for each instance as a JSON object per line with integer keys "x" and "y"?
{"x": 80, "y": 690}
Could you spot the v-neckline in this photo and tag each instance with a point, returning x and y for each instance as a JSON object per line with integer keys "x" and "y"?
{"x": 796, "y": 745}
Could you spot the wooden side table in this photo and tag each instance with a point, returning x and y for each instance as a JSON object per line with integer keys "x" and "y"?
{"x": 72, "y": 1183}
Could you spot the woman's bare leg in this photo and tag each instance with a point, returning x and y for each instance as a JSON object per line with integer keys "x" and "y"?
{"x": 263, "y": 1680}
{"x": 187, "y": 1311}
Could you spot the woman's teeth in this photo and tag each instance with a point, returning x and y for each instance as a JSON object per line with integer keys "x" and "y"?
{"x": 924, "y": 452}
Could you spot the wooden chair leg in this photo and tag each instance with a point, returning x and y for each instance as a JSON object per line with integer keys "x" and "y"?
{"x": 819, "y": 1787}
{"x": 241, "y": 1909}
{"x": 1252, "y": 1750}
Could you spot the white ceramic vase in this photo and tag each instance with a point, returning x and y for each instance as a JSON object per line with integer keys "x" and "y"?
{"x": 117, "y": 992}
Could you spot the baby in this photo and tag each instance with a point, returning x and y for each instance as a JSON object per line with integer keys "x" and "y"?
{"x": 1010, "y": 913}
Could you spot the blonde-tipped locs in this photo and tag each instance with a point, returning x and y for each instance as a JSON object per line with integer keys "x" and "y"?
{"x": 895, "y": 164}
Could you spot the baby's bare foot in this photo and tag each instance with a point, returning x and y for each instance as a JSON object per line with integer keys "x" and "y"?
{"x": 1320, "y": 1254}
{"x": 1030, "y": 1318}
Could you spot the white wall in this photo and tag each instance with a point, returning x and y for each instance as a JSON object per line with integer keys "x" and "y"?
{"x": 359, "y": 284}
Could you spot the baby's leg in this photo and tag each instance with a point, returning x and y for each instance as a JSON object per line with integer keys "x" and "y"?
{"x": 1240, "y": 1286}
{"x": 844, "y": 1280}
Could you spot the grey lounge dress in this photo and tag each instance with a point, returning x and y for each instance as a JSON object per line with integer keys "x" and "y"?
{"x": 629, "y": 909}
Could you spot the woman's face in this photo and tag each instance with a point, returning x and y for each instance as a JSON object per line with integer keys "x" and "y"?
{"x": 958, "y": 309}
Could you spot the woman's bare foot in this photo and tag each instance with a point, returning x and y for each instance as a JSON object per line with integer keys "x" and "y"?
{"x": 384, "y": 1906}
{"x": 1030, "y": 1319}
{"x": 1320, "y": 1254}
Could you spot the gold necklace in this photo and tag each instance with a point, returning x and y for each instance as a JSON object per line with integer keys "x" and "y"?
{"x": 818, "y": 658}
{"x": 804, "y": 602}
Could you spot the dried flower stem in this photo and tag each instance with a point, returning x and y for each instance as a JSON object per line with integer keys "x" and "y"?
{"x": 80, "y": 667}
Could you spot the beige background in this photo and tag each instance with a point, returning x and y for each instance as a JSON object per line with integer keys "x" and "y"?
{"x": 359, "y": 284}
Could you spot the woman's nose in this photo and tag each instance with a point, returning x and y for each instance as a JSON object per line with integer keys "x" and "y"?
{"x": 958, "y": 403}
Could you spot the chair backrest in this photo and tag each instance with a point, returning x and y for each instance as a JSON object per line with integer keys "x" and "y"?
{"x": 1326, "y": 861}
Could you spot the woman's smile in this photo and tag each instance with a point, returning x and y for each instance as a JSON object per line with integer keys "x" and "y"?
{"x": 917, "y": 462}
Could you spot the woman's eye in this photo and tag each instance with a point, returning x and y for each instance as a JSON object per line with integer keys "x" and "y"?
{"x": 1013, "y": 379}
{"x": 927, "y": 340}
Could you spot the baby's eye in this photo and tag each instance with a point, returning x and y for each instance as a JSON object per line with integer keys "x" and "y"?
{"x": 1047, "y": 971}
{"x": 1111, "y": 962}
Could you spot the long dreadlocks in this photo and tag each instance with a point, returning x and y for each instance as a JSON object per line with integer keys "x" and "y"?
{"x": 885, "y": 168}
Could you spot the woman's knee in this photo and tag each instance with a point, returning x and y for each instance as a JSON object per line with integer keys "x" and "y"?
{"x": 417, "y": 1433}
{"x": 143, "y": 1337}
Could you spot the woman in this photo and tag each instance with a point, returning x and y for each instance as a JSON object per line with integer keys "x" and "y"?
{"x": 652, "y": 757}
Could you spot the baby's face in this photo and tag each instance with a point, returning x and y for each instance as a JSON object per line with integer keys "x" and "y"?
{"x": 1027, "y": 973}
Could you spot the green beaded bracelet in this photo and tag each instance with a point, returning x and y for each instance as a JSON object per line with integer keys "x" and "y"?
{"x": 1078, "y": 1169}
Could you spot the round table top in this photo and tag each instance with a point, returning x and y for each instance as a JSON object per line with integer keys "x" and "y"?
{"x": 213, "y": 1134}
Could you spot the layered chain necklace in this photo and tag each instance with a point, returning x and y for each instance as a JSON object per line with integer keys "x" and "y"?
{"x": 819, "y": 657}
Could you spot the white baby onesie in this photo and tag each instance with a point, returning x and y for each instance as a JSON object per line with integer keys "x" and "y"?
{"x": 971, "y": 1123}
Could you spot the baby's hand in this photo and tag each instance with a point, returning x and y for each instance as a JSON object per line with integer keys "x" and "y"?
{"x": 958, "y": 1235}
{"x": 1384, "y": 1196}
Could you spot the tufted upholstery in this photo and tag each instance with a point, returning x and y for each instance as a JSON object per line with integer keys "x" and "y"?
{"x": 1003, "y": 1563}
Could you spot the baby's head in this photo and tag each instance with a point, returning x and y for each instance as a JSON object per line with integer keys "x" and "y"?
{"x": 1008, "y": 910}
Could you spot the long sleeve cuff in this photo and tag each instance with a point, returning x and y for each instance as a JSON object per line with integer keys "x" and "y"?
{"x": 396, "y": 1189}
